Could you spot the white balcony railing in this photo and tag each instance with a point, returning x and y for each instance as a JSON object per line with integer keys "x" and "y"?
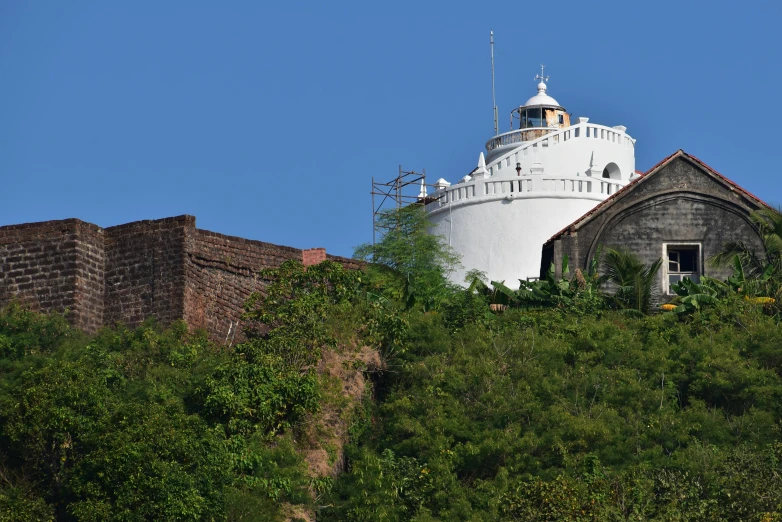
{"x": 528, "y": 186}
{"x": 517, "y": 136}
{"x": 533, "y": 185}
{"x": 555, "y": 135}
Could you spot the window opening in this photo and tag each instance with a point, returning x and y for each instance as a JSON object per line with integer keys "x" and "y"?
{"x": 682, "y": 261}
{"x": 533, "y": 118}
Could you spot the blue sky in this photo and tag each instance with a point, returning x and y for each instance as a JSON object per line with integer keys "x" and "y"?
{"x": 268, "y": 120}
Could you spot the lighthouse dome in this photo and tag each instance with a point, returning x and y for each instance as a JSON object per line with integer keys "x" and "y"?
{"x": 541, "y": 98}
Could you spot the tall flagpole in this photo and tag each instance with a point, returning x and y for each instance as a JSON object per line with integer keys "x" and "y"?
{"x": 493, "y": 98}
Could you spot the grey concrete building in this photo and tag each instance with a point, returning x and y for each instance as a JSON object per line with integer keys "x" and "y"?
{"x": 681, "y": 210}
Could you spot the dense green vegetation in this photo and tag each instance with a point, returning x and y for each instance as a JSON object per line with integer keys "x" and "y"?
{"x": 563, "y": 403}
{"x": 161, "y": 425}
{"x": 553, "y": 416}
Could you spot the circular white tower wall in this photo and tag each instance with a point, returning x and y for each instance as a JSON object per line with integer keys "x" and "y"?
{"x": 504, "y": 237}
{"x": 581, "y": 150}
{"x": 498, "y": 220}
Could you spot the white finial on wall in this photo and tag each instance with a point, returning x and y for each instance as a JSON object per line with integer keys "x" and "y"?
{"x": 422, "y": 194}
{"x": 481, "y": 170}
{"x": 441, "y": 184}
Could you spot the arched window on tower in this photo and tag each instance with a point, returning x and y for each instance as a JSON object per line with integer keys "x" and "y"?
{"x": 612, "y": 171}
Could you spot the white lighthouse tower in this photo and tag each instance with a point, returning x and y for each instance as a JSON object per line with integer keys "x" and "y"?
{"x": 533, "y": 181}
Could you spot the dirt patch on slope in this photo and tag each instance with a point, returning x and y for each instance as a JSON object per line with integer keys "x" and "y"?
{"x": 345, "y": 377}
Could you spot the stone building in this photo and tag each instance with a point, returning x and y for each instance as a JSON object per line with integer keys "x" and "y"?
{"x": 681, "y": 210}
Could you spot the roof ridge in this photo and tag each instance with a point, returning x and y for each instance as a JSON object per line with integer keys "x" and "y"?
{"x": 656, "y": 167}
{"x": 728, "y": 181}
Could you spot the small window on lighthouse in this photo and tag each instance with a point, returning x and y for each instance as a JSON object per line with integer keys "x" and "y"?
{"x": 534, "y": 118}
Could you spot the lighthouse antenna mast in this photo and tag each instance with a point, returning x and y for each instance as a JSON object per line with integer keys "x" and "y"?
{"x": 540, "y": 76}
{"x": 493, "y": 98}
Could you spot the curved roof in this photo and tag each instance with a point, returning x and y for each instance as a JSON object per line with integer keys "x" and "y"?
{"x": 541, "y": 98}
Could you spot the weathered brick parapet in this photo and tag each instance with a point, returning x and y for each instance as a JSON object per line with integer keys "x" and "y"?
{"x": 165, "y": 268}
{"x": 55, "y": 265}
{"x": 221, "y": 273}
{"x": 349, "y": 263}
{"x": 145, "y": 270}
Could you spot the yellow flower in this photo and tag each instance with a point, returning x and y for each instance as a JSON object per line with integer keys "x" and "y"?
{"x": 760, "y": 300}
{"x": 668, "y": 307}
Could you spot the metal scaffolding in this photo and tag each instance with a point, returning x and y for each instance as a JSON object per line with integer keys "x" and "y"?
{"x": 398, "y": 193}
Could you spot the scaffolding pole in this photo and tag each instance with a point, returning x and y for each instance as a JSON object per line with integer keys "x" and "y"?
{"x": 408, "y": 187}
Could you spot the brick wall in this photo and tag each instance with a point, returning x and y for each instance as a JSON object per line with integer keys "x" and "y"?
{"x": 165, "y": 268}
{"x": 221, "y": 273}
{"x": 54, "y": 266}
{"x": 145, "y": 271}
{"x": 89, "y": 288}
{"x": 349, "y": 263}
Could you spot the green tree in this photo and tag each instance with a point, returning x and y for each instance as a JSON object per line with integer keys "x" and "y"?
{"x": 634, "y": 281}
{"x": 270, "y": 381}
{"x": 755, "y": 264}
{"x": 151, "y": 462}
{"x": 103, "y": 441}
{"x": 757, "y": 273}
{"x": 19, "y": 505}
{"x": 419, "y": 262}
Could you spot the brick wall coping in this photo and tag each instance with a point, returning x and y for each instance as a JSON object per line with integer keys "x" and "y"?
{"x": 244, "y": 241}
{"x": 185, "y": 220}
{"x": 43, "y": 227}
{"x": 345, "y": 260}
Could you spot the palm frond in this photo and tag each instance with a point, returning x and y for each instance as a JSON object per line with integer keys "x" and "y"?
{"x": 502, "y": 294}
{"x": 633, "y": 280}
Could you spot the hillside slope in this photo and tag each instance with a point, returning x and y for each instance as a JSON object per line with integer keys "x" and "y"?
{"x": 345, "y": 405}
